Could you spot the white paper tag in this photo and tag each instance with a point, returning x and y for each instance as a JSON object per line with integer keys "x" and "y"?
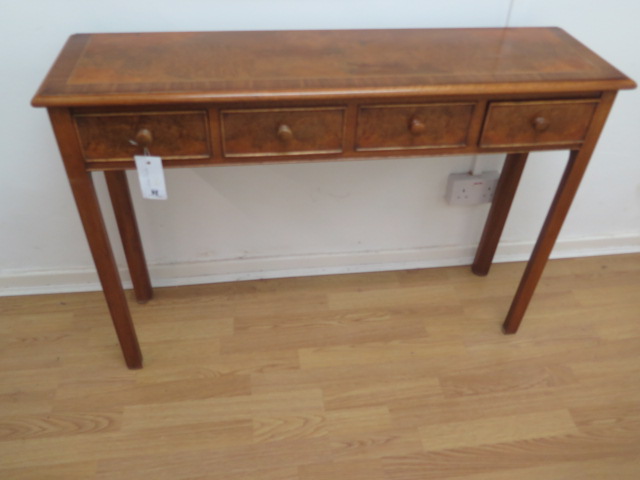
{"x": 151, "y": 177}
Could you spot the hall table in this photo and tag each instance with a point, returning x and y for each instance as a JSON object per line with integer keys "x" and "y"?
{"x": 238, "y": 98}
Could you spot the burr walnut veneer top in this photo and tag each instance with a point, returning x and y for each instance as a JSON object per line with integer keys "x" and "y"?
{"x": 147, "y": 68}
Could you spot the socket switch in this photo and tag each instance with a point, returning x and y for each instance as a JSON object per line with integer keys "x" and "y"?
{"x": 467, "y": 189}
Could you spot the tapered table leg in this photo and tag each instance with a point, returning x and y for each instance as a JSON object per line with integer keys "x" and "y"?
{"x": 550, "y": 230}
{"x": 576, "y": 167}
{"x": 128, "y": 227}
{"x": 502, "y": 200}
{"x": 89, "y": 209}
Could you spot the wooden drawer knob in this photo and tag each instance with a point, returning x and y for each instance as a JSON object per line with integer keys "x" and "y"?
{"x": 540, "y": 124}
{"x": 144, "y": 138}
{"x": 284, "y": 133}
{"x": 417, "y": 126}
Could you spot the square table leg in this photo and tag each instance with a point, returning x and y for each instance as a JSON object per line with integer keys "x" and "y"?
{"x": 576, "y": 167}
{"x": 89, "y": 209}
{"x": 128, "y": 228}
{"x": 502, "y": 200}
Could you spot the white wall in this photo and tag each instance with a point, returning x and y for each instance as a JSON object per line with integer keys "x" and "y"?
{"x": 261, "y": 221}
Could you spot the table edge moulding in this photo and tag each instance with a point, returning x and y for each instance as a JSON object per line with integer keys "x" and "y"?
{"x": 237, "y": 98}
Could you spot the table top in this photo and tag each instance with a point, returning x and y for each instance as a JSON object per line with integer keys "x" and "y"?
{"x": 154, "y": 68}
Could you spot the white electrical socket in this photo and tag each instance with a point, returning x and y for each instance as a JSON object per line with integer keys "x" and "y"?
{"x": 467, "y": 189}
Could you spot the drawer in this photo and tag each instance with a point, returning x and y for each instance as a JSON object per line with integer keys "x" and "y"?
{"x": 288, "y": 131}
{"x": 173, "y": 135}
{"x": 548, "y": 123}
{"x": 392, "y": 127}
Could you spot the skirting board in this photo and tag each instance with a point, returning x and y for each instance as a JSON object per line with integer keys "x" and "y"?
{"x": 30, "y": 282}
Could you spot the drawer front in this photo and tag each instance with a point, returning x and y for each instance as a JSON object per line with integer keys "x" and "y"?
{"x": 173, "y": 135}
{"x": 392, "y": 127}
{"x": 276, "y": 132}
{"x": 549, "y": 123}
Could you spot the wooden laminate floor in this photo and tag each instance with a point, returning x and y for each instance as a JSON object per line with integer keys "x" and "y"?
{"x": 383, "y": 376}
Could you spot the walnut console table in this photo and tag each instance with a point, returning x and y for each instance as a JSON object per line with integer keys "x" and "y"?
{"x": 235, "y": 98}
